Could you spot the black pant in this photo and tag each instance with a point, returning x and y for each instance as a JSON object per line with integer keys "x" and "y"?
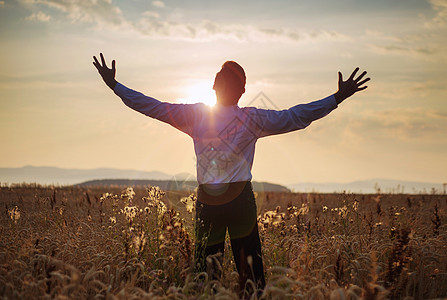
{"x": 236, "y": 211}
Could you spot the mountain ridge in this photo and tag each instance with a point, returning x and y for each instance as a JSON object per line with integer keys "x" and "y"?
{"x": 63, "y": 176}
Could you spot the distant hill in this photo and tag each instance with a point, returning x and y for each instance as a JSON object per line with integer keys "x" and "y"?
{"x": 53, "y": 175}
{"x": 108, "y": 176}
{"x": 175, "y": 184}
{"x": 100, "y": 176}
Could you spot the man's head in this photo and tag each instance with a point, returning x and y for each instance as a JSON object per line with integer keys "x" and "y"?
{"x": 229, "y": 83}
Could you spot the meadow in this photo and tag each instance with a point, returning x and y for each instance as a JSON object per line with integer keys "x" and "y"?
{"x": 138, "y": 243}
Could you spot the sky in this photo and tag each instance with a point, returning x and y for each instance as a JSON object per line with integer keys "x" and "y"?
{"x": 56, "y": 111}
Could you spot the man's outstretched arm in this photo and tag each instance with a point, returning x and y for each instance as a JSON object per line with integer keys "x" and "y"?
{"x": 181, "y": 116}
{"x": 351, "y": 86}
{"x": 302, "y": 115}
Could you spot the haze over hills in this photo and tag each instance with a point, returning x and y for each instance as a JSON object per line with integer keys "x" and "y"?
{"x": 103, "y": 176}
{"x": 53, "y": 175}
{"x": 371, "y": 186}
{"x": 108, "y": 176}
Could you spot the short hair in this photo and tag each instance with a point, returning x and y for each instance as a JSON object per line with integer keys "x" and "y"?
{"x": 234, "y": 73}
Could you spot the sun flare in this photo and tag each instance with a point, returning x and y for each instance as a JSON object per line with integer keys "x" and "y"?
{"x": 201, "y": 91}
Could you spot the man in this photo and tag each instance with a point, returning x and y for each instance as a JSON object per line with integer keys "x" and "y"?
{"x": 224, "y": 142}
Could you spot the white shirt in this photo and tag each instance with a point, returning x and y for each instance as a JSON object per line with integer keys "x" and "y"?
{"x": 225, "y": 136}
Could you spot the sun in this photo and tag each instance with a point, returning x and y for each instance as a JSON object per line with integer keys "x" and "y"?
{"x": 200, "y": 91}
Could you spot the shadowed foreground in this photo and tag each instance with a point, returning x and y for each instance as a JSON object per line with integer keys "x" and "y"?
{"x": 108, "y": 243}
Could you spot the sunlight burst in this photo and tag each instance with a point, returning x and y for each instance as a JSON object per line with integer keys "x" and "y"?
{"x": 201, "y": 91}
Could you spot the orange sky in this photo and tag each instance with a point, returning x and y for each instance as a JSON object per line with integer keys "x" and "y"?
{"x": 55, "y": 110}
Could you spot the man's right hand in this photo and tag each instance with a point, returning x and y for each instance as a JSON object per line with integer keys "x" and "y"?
{"x": 108, "y": 75}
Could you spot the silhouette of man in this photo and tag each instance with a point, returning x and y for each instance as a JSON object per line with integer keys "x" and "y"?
{"x": 224, "y": 142}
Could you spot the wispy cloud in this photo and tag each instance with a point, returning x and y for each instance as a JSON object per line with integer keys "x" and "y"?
{"x": 206, "y": 30}
{"x": 407, "y": 50}
{"x": 400, "y": 124}
{"x": 424, "y": 44}
{"x": 398, "y": 88}
{"x": 38, "y": 16}
{"x": 93, "y": 11}
{"x": 170, "y": 27}
{"x": 440, "y": 7}
{"x": 150, "y": 14}
{"x": 158, "y": 4}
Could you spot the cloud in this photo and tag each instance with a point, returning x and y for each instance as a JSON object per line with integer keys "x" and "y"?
{"x": 206, "y": 30}
{"x": 402, "y": 49}
{"x": 404, "y": 124}
{"x": 39, "y": 16}
{"x": 440, "y": 19}
{"x": 150, "y": 14}
{"x": 401, "y": 87}
{"x": 172, "y": 27}
{"x": 93, "y": 11}
{"x": 424, "y": 44}
{"x": 159, "y": 4}
{"x": 378, "y": 35}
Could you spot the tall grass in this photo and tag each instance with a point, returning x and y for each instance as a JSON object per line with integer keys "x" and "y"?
{"x": 117, "y": 243}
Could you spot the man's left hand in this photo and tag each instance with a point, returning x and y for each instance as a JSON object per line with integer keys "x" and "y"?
{"x": 351, "y": 86}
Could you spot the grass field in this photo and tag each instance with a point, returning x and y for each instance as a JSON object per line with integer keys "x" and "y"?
{"x": 115, "y": 243}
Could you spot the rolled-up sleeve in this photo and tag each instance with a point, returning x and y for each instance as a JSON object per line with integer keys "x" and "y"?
{"x": 295, "y": 118}
{"x": 180, "y": 116}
